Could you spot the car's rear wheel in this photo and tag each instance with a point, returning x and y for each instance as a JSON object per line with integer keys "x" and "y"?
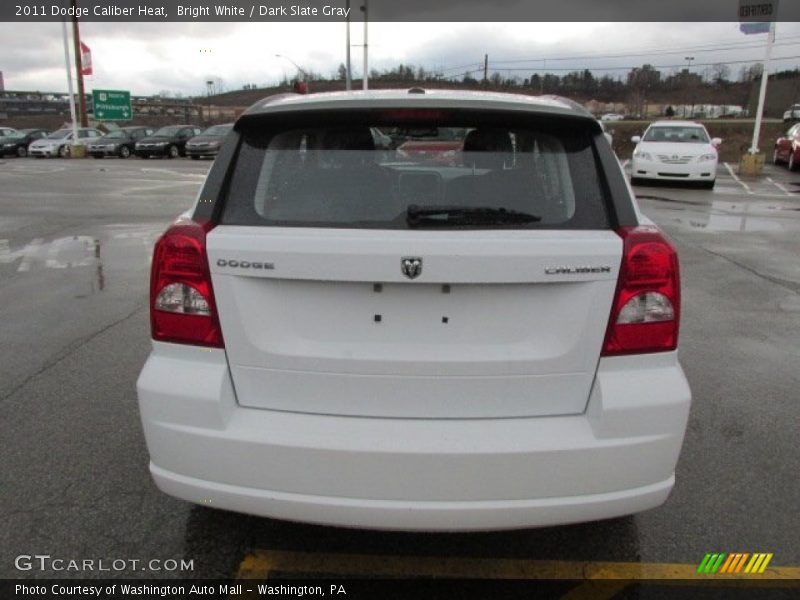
{"x": 63, "y": 152}
{"x": 22, "y": 152}
{"x": 792, "y": 164}
{"x": 124, "y": 152}
{"x": 172, "y": 152}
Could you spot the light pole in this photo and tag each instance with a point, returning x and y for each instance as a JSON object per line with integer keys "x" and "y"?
{"x": 365, "y": 81}
{"x": 688, "y": 60}
{"x": 348, "y": 77}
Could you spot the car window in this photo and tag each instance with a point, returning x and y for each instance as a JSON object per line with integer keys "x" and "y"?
{"x": 688, "y": 134}
{"x": 334, "y": 176}
{"x": 217, "y": 130}
{"x": 167, "y": 131}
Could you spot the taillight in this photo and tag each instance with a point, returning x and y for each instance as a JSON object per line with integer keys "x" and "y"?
{"x": 182, "y": 307}
{"x": 646, "y": 310}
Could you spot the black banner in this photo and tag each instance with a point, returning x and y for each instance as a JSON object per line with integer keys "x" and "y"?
{"x": 395, "y": 589}
{"x": 397, "y": 11}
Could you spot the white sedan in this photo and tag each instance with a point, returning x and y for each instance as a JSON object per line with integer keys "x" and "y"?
{"x": 677, "y": 151}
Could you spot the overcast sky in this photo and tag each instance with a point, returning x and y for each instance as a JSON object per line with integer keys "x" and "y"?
{"x": 148, "y": 58}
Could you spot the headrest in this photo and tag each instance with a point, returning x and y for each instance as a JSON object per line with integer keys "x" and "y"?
{"x": 487, "y": 140}
{"x": 359, "y": 138}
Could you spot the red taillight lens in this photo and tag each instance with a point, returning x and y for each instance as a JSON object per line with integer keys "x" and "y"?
{"x": 182, "y": 307}
{"x": 646, "y": 310}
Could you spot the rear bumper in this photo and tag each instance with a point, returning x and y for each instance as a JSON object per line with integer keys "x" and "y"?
{"x": 617, "y": 458}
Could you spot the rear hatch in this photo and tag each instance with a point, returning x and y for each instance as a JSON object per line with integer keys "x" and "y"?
{"x": 352, "y": 280}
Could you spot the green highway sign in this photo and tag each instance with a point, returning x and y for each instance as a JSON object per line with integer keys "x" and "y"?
{"x": 112, "y": 105}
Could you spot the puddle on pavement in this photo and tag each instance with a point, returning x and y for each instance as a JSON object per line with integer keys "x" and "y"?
{"x": 745, "y": 217}
{"x": 91, "y": 261}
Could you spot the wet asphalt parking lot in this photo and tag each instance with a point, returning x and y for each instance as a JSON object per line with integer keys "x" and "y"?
{"x": 75, "y": 244}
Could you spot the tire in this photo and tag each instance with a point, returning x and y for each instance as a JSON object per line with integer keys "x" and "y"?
{"x": 124, "y": 152}
{"x": 173, "y": 152}
{"x": 22, "y": 152}
{"x": 775, "y": 159}
{"x": 792, "y": 164}
{"x": 63, "y": 152}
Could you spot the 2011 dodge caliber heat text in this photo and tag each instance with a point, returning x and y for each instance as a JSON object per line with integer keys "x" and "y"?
{"x": 348, "y": 334}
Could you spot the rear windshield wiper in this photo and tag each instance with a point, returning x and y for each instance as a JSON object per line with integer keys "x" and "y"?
{"x": 466, "y": 215}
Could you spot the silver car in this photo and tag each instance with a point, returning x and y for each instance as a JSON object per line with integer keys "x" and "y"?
{"x": 58, "y": 143}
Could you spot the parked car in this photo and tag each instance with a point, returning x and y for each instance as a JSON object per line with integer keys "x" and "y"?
{"x": 168, "y": 141}
{"x": 787, "y": 148}
{"x": 608, "y": 135}
{"x": 793, "y": 114}
{"x": 17, "y": 145}
{"x": 58, "y": 143}
{"x": 612, "y": 117}
{"x": 120, "y": 142}
{"x": 675, "y": 151}
{"x": 208, "y": 142}
{"x": 341, "y": 337}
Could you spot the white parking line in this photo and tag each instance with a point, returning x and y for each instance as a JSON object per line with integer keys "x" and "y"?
{"x": 780, "y": 187}
{"x": 172, "y": 172}
{"x": 29, "y": 253}
{"x": 736, "y": 178}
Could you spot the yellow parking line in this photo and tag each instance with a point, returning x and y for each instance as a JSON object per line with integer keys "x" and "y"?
{"x": 260, "y": 563}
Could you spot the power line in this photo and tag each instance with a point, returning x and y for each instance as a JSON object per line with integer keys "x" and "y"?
{"x": 651, "y": 51}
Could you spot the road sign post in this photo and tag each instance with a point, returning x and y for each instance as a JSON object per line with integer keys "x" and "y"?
{"x": 112, "y": 105}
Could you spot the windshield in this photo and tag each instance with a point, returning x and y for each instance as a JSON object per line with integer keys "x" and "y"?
{"x": 217, "y": 130}
{"x": 167, "y": 131}
{"x": 696, "y": 135}
{"x": 60, "y": 134}
{"x": 475, "y": 176}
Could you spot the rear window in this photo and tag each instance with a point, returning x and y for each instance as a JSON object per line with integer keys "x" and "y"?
{"x": 371, "y": 175}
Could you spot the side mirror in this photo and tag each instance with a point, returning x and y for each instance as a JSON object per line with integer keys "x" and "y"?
{"x": 716, "y": 141}
{"x": 636, "y": 139}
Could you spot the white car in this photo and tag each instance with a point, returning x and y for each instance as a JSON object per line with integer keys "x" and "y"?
{"x": 612, "y": 117}
{"x": 58, "y": 143}
{"x": 675, "y": 151}
{"x": 486, "y": 342}
{"x": 793, "y": 114}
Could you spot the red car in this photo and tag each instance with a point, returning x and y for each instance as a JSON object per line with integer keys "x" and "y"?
{"x": 787, "y": 148}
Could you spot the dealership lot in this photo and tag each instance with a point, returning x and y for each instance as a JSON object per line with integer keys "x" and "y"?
{"x": 75, "y": 244}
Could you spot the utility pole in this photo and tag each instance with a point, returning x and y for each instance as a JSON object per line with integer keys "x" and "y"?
{"x": 348, "y": 76}
{"x": 76, "y": 41}
{"x": 762, "y": 92}
{"x": 485, "y": 69}
{"x": 69, "y": 80}
{"x": 365, "y": 8}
